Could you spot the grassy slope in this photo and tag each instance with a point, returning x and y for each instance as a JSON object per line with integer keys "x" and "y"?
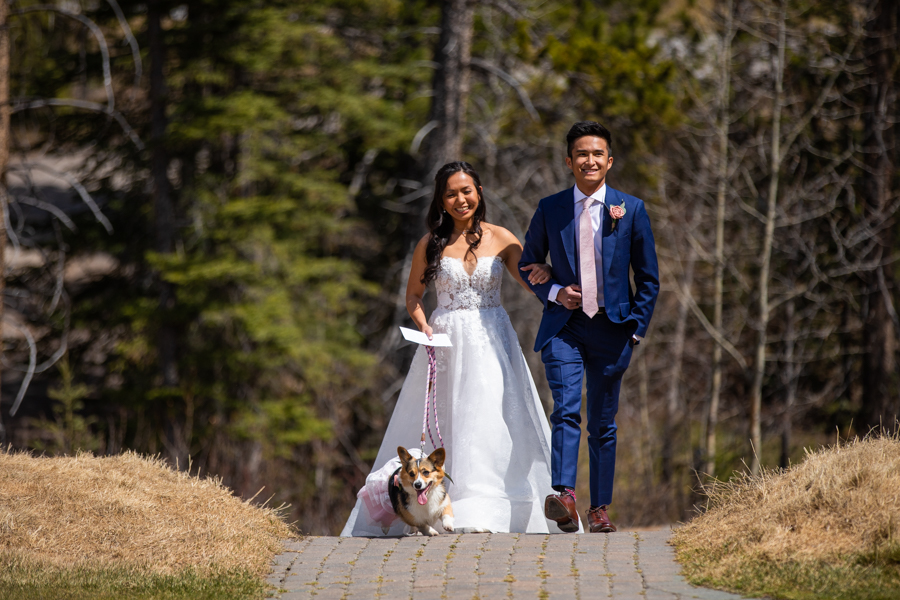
{"x": 22, "y": 579}
{"x": 826, "y": 528}
{"x": 127, "y": 527}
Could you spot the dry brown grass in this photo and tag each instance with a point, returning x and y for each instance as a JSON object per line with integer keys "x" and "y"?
{"x": 130, "y": 511}
{"x": 839, "y": 507}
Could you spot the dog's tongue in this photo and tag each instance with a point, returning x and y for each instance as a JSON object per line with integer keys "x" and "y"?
{"x": 422, "y": 495}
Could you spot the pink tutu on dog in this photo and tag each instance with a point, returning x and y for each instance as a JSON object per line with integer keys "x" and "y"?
{"x": 375, "y": 493}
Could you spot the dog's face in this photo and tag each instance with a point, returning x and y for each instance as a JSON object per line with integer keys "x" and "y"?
{"x": 420, "y": 476}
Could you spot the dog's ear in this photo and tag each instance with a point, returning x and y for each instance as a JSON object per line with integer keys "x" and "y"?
{"x": 405, "y": 456}
{"x": 437, "y": 457}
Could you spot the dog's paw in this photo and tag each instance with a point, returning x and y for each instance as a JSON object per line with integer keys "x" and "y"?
{"x": 447, "y": 524}
{"x": 428, "y": 530}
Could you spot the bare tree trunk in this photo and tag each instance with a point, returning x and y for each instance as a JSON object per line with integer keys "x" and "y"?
{"x": 673, "y": 401}
{"x": 164, "y": 211}
{"x": 790, "y": 375}
{"x": 451, "y": 86}
{"x": 881, "y": 404}
{"x": 164, "y": 214}
{"x": 768, "y": 239}
{"x": 712, "y": 411}
{"x": 646, "y": 445}
{"x": 4, "y": 160}
{"x": 850, "y": 382}
{"x": 162, "y": 197}
{"x": 441, "y": 138}
{"x": 82, "y": 89}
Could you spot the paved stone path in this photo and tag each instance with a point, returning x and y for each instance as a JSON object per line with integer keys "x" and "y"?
{"x": 623, "y": 565}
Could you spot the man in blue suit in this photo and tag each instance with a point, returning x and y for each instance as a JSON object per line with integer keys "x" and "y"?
{"x": 592, "y": 317}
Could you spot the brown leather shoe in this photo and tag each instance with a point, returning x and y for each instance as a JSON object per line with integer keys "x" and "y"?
{"x": 561, "y": 508}
{"x": 599, "y": 521}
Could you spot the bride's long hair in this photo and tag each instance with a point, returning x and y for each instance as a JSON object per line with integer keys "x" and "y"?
{"x": 440, "y": 223}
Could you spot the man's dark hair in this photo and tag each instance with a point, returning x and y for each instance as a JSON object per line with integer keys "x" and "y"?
{"x": 587, "y": 128}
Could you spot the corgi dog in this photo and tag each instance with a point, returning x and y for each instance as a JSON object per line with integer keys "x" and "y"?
{"x": 417, "y": 492}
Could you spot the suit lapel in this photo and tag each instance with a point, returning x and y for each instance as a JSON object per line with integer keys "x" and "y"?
{"x": 610, "y": 235}
{"x": 566, "y": 214}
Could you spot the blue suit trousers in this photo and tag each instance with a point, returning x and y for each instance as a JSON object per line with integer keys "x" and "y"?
{"x": 597, "y": 350}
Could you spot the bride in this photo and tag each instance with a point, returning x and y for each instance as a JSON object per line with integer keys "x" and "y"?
{"x": 497, "y": 436}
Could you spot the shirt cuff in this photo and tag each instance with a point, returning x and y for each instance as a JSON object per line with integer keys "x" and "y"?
{"x": 554, "y": 290}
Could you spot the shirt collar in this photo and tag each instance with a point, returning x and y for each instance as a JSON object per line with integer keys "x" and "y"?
{"x": 599, "y": 195}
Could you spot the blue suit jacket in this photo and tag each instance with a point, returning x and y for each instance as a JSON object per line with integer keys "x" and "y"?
{"x": 552, "y": 232}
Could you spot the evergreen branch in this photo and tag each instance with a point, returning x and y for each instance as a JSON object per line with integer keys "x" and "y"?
{"x": 101, "y": 40}
{"x": 85, "y": 104}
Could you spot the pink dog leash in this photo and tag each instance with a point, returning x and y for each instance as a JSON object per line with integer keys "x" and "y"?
{"x": 431, "y": 395}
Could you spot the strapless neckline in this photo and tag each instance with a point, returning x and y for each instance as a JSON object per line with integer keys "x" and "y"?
{"x": 458, "y": 289}
{"x": 462, "y": 264}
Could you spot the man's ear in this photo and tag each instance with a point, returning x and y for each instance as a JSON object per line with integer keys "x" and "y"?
{"x": 569, "y": 162}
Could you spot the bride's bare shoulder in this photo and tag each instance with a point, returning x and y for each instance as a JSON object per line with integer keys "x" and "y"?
{"x": 500, "y": 234}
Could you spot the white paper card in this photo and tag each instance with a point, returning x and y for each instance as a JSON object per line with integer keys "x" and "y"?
{"x": 417, "y": 337}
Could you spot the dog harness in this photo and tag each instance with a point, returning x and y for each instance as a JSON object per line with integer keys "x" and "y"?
{"x": 394, "y": 489}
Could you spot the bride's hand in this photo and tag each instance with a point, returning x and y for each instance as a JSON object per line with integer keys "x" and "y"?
{"x": 427, "y": 331}
{"x": 540, "y": 273}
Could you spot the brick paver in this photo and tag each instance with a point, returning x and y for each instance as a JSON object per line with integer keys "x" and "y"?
{"x": 623, "y": 565}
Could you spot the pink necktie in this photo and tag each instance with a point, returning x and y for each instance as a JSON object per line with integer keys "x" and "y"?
{"x": 586, "y": 260}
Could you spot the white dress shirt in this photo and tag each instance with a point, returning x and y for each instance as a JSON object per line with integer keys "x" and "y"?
{"x": 597, "y": 215}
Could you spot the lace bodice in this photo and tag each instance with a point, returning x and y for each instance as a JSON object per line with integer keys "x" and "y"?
{"x": 457, "y": 290}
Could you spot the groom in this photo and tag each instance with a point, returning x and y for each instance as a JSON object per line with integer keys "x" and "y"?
{"x": 592, "y": 317}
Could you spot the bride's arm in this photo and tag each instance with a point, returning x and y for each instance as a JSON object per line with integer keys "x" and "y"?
{"x": 415, "y": 289}
{"x": 511, "y": 253}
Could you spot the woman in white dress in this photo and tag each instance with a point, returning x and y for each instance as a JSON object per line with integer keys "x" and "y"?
{"x": 491, "y": 418}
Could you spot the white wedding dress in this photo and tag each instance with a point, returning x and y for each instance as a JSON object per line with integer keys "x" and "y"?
{"x": 493, "y": 425}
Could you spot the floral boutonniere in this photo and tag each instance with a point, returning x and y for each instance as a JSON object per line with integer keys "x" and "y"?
{"x": 616, "y": 212}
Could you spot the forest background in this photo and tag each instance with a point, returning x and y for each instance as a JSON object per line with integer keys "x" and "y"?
{"x": 209, "y": 208}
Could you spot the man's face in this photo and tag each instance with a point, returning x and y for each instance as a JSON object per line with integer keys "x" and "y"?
{"x": 589, "y": 162}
